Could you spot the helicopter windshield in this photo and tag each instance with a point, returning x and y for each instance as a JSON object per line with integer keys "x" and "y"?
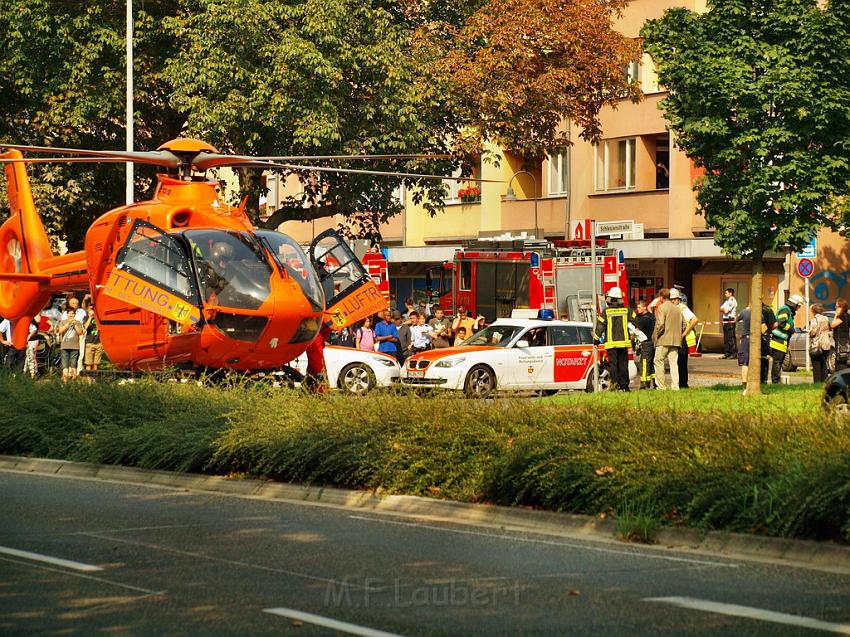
{"x": 233, "y": 270}
{"x": 292, "y": 259}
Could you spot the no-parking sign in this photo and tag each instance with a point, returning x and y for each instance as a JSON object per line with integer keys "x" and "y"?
{"x": 805, "y": 268}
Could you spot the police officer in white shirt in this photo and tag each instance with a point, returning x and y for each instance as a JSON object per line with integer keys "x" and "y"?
{"x": 728, "y": 316}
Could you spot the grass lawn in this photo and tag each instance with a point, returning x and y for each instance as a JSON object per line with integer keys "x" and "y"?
{"x": 710, "y": 458}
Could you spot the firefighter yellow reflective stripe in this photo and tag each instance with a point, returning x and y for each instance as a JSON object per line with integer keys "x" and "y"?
{"x": 780, "y": 346}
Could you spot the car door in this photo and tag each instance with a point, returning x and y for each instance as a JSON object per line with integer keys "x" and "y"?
{"x": 528, "y": 365}
{"x": 572, "y": 357}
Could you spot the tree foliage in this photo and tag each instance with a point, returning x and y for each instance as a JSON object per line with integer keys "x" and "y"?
{"x": 516, "y": 69}
{"x": 759, "y": 96}
{"x": 288, "y": 77}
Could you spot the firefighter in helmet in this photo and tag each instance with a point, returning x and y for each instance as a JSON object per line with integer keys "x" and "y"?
{"x": 781, "y": 334}
{"x": 612, "y": 328}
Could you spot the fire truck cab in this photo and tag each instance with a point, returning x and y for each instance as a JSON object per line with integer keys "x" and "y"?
{"x": 495, "y": 280}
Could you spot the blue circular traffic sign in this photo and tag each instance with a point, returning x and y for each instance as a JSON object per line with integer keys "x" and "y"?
{"x": 805, "y": 268}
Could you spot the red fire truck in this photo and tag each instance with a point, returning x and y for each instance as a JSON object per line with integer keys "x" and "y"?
{"x": 493, "y": 280}
{"x": 378, "y": 268}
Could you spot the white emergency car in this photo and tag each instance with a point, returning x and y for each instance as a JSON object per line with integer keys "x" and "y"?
{"x": 514, "y": 354}
{"x": 355, "y": 371}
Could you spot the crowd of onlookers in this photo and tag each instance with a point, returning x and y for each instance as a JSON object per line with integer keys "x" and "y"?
{"x": 416, "y": 328}
{"x": 65, "y": 330}
{"x": 829, "y": 339}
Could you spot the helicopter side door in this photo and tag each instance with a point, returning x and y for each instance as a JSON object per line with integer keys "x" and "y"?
{"x": 152, "y": 271}
{"x": 351, "y": 294}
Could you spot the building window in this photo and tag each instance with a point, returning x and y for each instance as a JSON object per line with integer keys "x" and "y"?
{"x": 615, "y": 165}
{"x": 559, "y": 173}
{"x": 451, "y": 186}
{"x": 662, "y": 161}
{"x": 632, "y": 72}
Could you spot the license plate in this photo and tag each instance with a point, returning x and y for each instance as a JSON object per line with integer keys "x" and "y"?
{"x": 416, "y": 373}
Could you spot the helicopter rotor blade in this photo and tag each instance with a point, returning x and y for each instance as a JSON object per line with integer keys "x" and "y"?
{"x": 355, "y": 171}
{"x": 157, "y": 157}
{"x": 74, "y": 160}
{"x": 205, "y": 160}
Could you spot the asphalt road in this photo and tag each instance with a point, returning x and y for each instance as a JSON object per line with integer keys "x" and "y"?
{"x": 173, "y": 562}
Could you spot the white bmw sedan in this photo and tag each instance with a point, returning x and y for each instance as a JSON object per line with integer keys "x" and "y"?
{"x": 514, "y": 354}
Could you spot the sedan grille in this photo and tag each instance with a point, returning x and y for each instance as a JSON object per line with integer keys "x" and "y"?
{"x": 418, "y": 364}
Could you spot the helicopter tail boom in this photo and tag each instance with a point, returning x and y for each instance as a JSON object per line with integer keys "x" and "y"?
{"x": 23, "y": 246}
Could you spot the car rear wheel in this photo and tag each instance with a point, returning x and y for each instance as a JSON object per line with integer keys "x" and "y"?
{"x": 831, "y": 361}
{"x": 787, "y": 364}
{"x": 604, "y": 379}
{"x": 480, "y": 382}
{"x": 356, "y": 379}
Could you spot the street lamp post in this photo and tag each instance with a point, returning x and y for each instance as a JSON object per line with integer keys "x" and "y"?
{"x": 511, "y": 196}
{"x": 129, "y": 140}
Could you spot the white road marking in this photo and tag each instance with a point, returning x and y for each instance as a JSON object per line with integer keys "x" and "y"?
{"x": 513, "y": 538}
{"x": 327, "y": 622}
{"x": 141, "y": 528}
{"x": 38, "y": 557}
{"x": 89, "y": 577}
{"x": 223, "y": 560}
{"x": 749, "y": 612}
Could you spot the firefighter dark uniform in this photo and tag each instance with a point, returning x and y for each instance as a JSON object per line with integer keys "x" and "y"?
{"x": 781, "y": 334}
{"x": 613, "y": 325}
{"x": 646, "y": 323}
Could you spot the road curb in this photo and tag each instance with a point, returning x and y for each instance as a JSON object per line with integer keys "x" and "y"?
{"x": 803, "y": 553}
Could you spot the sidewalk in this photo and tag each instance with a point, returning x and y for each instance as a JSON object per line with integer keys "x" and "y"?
{"x": 713, "y": 369}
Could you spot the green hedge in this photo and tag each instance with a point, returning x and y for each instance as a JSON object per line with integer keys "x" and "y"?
{"x": 774, "y": 464}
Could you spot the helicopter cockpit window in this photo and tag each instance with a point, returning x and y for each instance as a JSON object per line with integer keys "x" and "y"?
{"x": 158, "y": 258}
{"x": 232, "y": 268}
{"x": 292, "y": 259}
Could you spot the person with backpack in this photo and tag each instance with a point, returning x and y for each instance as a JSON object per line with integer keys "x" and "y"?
{"x": 364, "y": 336}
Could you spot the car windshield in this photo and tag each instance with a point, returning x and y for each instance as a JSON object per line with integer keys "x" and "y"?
{"x": 495, "y": 335}
{"x": 233, "y": 270}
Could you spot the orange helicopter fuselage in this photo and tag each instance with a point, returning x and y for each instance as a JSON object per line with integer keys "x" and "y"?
{"x": 274, "y": 332}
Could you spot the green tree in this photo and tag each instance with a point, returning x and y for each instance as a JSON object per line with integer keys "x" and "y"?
{"x": 291, "y": 77}
{"x": 759, "y": 96}
{"x": 318, "y": 77}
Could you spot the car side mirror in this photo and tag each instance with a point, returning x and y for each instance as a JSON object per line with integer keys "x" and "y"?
{"x": 523, "y": 344}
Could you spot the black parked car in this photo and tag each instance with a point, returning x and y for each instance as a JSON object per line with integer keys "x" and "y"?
{"x": 836, "y": 392}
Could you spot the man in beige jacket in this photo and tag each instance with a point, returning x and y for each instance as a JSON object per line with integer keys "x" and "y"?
{"x": 668, "y": 339}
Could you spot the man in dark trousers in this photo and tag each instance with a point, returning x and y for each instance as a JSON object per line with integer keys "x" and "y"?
{"x": 645, "y": 324}
{"x": 612, "y": 327}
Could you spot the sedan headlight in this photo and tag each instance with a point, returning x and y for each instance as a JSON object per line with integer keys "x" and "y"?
{"x": 449, "y": 362}
{"x": 384, "y": 361}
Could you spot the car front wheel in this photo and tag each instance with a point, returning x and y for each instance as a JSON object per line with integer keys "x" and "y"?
{"x": 480, "y": 382}
{"x": 357, "y": 379}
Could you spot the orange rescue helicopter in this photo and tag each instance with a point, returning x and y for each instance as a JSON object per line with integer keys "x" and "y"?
{"x": 183, "y": 280}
